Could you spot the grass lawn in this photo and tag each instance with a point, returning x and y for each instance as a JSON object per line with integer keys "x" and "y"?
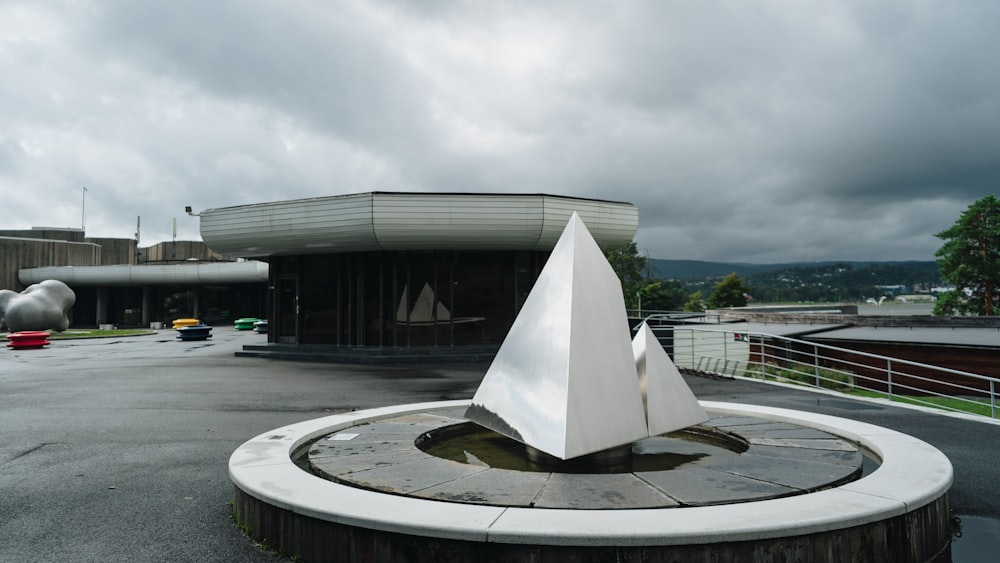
{"x": 843, "y": 382}
{"x": 972, "y": 406}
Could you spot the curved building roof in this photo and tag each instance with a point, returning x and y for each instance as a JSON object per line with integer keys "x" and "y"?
{"x": 149, "y": 274}
{"x": 411, "y": 221}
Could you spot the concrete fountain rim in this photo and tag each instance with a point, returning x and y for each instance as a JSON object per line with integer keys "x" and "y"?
{"x": 912, "y": 474}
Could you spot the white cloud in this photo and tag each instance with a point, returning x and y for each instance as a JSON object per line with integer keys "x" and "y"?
{"x": 764, "y": 131}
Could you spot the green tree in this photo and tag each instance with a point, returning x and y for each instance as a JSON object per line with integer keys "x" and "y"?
{"x": 730, "y": 292}
{"x": 631, "y": 269}
{"x": 970, "y": 260}
{"x": 663, "y": 295}
{"x": 694, "y": 303}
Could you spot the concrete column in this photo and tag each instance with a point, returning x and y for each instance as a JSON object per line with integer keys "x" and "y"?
{"x": 145, "y": 306}
{"x": 102, "y": 306}
{"x": 195, "y": 312}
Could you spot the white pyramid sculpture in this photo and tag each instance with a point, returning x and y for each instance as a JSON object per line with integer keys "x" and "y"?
{"x": 564, "y": 380}
{"x": 670, "y": 404}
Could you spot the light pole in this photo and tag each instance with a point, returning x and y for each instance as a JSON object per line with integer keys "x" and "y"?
{"x": 83, "y": 211}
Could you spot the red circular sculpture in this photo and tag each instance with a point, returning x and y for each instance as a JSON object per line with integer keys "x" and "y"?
{"x": 27, "y": 339}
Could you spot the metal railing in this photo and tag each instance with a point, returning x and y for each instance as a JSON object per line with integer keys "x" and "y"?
{"x": 729, "y": 351}
{"x": 660, "y": 318}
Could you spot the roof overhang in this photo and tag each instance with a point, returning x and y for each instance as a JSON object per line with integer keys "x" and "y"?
{"x": 149, "y": 274}
{"x": 411, "y": 221}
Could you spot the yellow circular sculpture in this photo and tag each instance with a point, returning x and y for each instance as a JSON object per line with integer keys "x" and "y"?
{"x": 178, "y": 323}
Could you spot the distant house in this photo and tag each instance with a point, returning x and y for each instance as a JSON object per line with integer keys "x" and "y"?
{"x": 967, "y": 344}
{"x": 893, "y": 289}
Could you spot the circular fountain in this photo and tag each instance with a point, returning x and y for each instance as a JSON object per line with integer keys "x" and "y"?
{"x": 385, "y": 499}
{"x": 579, "y": 445}
{"x": 436, "y": 455}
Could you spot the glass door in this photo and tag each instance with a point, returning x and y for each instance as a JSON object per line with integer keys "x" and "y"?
{"x": 288, "y": 309}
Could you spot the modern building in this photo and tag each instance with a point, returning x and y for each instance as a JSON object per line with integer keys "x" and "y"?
{"x": 404, "y": 270}
{"x": 118, "y": 283}
{"x": 50, "y": 246}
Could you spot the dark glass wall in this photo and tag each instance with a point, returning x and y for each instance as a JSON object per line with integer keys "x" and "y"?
{"x": 400, "y": 299}
{"x": 123, "y": 305}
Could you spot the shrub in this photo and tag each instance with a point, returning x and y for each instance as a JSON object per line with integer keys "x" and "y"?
{"x": 805, "y": 373}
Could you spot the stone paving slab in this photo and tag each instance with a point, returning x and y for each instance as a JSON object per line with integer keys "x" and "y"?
{"x": 758, "y": 426}
{"x": 499, "y": 487}
{"x": 457, "y": 413}
{"x": 411, "y": 425}
{"x": 795, "y": 473}
{"x": 778, "y": 430}
{"x": 702, "y": 486}
{"x": 336, "y": 466}
{"x": 380, "y": 443}
{"x": 726, "y": 421}
{"x": 413, "y": 475}
{"x": 814, "y": 444}
{"x": 836, "y": 457}
{"x": 608, "y": 491}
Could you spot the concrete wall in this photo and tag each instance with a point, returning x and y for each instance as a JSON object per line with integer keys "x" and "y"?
{"x": 17, "y": 253}
{"x": 115, "y": 250}
{"x": 179, "y": 251}
{"x": 47, "y": 233}
{"x": 41, "y": 246}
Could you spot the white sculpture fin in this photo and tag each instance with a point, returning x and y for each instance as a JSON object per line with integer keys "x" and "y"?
{"x": 670, "y": 404}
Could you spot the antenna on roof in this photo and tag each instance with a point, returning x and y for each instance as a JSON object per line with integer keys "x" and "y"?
{"x": 83, "y": 211}
{"x": 138, "y": 230}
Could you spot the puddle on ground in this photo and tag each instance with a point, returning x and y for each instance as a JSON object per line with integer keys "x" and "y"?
{"x": 978, "y": 542}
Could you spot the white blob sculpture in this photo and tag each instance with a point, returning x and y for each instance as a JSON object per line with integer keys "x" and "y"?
{"x": 42, "y": 306}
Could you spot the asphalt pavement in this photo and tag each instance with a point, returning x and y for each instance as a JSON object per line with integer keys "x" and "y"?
{"x": 117, "y": 449}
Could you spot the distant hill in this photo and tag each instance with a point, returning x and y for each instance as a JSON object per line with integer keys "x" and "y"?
{"x": 698, "y": 270}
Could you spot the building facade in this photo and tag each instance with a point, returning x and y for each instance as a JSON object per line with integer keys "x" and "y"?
{"x": 118, "y": 283}
{"x": 385, "y": 269}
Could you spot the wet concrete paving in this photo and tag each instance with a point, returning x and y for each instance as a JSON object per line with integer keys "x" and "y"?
{"x": 117, "y": 449}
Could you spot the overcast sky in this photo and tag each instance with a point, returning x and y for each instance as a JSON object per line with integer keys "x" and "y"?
{"x": 763, "y": 131}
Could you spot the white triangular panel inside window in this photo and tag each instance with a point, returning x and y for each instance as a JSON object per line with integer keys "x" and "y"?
{"x": 421, "y": 312}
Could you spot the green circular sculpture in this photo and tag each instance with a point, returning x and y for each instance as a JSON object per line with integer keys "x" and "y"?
{"x": 245, "y": 323}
